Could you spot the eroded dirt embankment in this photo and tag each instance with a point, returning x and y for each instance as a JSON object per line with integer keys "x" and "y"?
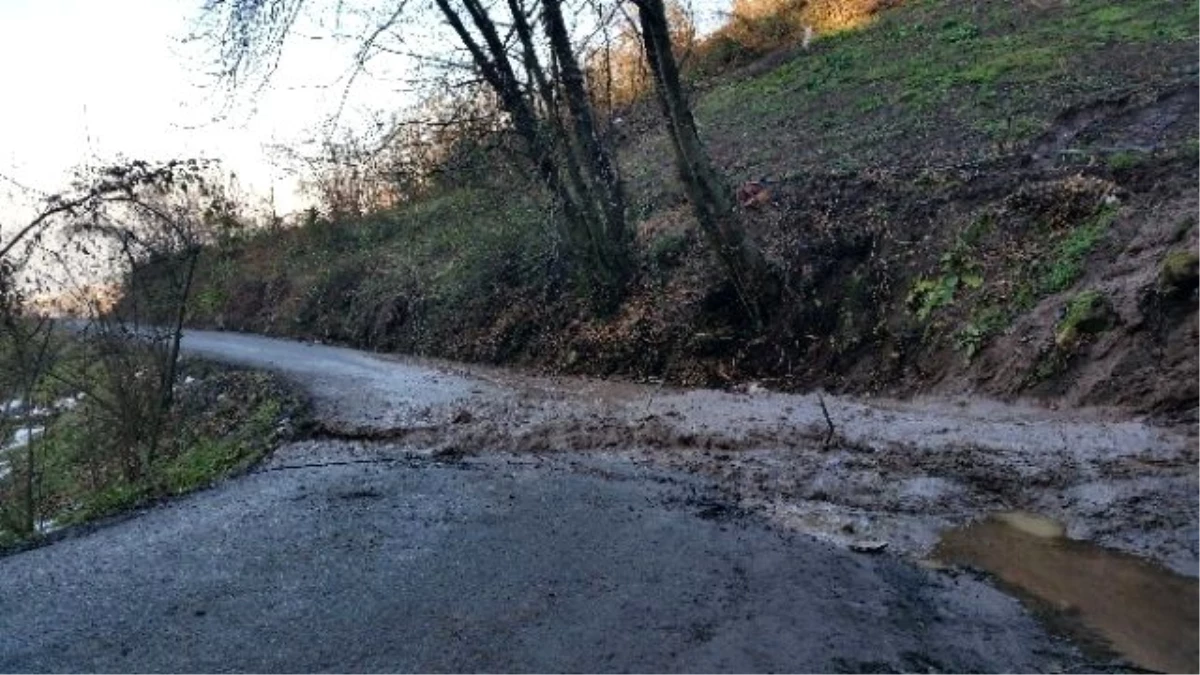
{"x": 891, "y": 472}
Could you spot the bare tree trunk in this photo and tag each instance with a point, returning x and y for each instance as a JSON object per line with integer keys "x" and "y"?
{"x": 30, "y": 524}
{"x": 599, "y": 160}
{"x": 711, "y": 198}
{"x": 500, "y": 77}
{"x": 166, "y": 391}
{"x": 36, "y": 364}
{"x": 559, "y": 141}
{"x": 569, "y": 158}
{"x": 590, "y": 194}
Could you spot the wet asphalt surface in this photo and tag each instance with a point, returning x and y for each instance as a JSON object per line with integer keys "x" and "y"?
{"x": 339, "y": 555}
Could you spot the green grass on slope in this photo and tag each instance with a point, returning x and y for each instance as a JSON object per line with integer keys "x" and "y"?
{"x": 935, "y": 77}
{"x": 361, "y": 279}
{"x": 85, "y": 466}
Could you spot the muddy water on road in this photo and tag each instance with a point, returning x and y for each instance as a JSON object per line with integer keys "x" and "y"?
{"x": 1145, "y": 612}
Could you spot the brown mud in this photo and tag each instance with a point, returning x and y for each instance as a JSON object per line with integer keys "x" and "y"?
{"x": 895, "y": 472}
{"x": 898, "y": 472}
{"x": 891, "y": 479}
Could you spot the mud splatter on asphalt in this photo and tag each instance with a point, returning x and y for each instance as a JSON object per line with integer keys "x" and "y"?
{"x": 888, "y": 481}
{"x": 895, "y": 472}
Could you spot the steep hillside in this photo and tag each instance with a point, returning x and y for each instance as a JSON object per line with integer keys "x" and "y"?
{"x": 985, "y": 196}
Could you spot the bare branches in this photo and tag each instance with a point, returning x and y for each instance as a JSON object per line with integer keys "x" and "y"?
{"x": 368, "y": 45}
{"x": 114, "y": 184}
{"x": 56, "y": 206}
{"x": 829, "y": 428}
{"x": 146, "y": 220}
{"x": 527, "y": 56}
{"x": 250, "y": 35}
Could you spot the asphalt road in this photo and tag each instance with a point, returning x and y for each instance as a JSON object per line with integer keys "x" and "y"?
{"x": 354, "y": 557}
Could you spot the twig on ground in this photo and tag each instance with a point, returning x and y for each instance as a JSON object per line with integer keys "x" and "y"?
{"x": 828, "y": 423}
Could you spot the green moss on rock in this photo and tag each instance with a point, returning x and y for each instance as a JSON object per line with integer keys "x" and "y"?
{"x": 1179, "y": 273}
{"x": 1088, "y": 313}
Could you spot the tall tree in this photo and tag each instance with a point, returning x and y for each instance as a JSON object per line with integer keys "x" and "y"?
{"x": 711, "y": 198}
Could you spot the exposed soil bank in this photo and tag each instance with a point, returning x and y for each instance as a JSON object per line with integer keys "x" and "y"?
{"x": 1064, "y": 271}
{"x": 970, "y": 197}
{"x": 952, "y": 281}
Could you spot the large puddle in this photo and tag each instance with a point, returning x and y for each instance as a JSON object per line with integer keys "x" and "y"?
{"x": 1146, "y": 613}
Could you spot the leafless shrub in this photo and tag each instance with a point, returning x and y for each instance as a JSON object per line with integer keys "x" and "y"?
{"x": 27, "y": 353}
{"x": 137, "y": 222}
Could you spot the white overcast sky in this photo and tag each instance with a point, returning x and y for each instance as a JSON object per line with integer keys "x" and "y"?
{"x": 87, "y": 81}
